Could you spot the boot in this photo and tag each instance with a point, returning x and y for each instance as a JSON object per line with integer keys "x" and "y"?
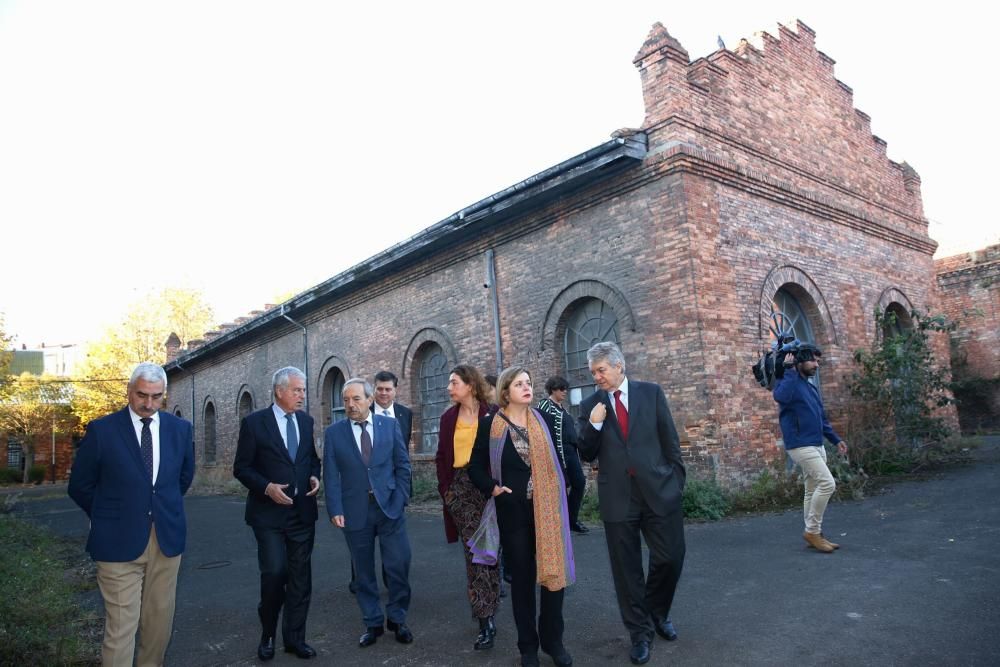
{"x": 832, "y": 544}
{"x": 816, "y": 541}
{"x": 487, "y": 631}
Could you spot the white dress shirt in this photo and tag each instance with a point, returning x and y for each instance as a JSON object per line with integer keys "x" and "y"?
{"x": 356, "y": 430}
{"x": 154, "y": 428}
{"x": 279, "y": 415}
{"x": 623, "y": 388}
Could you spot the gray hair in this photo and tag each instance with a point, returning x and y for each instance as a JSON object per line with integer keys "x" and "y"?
{"x": 606, "y": 351}
{"x": 369, "y": 392}
{"x": 283, "y": 375}
{"x": 149, "y": 372}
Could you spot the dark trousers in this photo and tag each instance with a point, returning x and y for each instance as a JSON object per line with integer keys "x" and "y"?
{"x": 285, "y": 559}
{"x": 577, "y": 483}
{"x": 394, "y": 545}
{"x": 516, "y": 520}
{"x": 641, "y": 599}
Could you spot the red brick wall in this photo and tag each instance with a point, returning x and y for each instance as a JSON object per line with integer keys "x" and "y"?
{"x": 759, "y": 173}
{"x": 969, "y": 285}
{"x": 43, "y": 454}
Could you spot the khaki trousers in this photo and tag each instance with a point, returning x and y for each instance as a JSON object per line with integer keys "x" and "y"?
{"x": 138, "y": 595}
{"x": 819, "y": 484}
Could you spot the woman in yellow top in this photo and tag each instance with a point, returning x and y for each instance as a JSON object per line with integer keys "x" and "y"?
{"x": 463, "y": 502}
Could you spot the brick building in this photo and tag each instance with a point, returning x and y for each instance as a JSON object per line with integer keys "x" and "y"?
{"x": 753, "y": 186}
{"x": 969, "y": 287}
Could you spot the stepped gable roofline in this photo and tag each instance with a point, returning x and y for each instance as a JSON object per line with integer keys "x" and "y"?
{"x": 604, "y": 161}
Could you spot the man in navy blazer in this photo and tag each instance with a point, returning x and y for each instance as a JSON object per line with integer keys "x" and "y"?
{"x": 130, "y": 474}
{"x": 366, "y": 472}
{"x": 627, "y": 426}
{"x": 277, "y": 462}
{"x": 387, "y": 405}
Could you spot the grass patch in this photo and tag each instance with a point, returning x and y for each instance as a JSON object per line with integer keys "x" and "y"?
{"x": 41, "y": 620}
{"x": 424, "y": 484}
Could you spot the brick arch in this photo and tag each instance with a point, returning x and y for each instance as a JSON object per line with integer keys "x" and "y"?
{"x": 244, "y": 390}
{"x": 423, "y": 336}
{"x": 810, "y": 298}
{"x": 176, "y": 412}
{"x": 892, "y": 295}
{"x": 583, "y": 288}
{"x": 333, "y": 361}
{"x": 210, "y": 432}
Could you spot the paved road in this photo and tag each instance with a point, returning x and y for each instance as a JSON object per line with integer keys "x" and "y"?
{"x": 916, "y": 582}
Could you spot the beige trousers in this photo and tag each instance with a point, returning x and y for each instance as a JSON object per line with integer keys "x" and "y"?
{"x": 818, "y": 482}
{"x": 139, "y": 594}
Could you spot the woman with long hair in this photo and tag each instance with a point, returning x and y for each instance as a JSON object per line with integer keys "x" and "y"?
{"x": 463, "y": 502}
{"x": 518, "y": 463}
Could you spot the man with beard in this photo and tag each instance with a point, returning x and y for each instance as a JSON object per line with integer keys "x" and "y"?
{"x": 803, "y": 426}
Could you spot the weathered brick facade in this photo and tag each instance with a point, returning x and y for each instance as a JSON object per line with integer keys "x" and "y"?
{"x": 969, "y": 285}
{"x": 752, "y": 173}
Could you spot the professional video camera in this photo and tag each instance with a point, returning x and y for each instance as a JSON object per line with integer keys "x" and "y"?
{"x": 771, "y": 365}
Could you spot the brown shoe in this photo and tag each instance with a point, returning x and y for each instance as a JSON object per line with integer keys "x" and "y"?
{"x": 816, "y": 541}
{"x": 832, "y": 544}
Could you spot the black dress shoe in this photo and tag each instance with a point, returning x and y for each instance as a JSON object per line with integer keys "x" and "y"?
{"x": 666, "y": 630}
{"x": 560, "y": 656}
{"x": 265, "y": 650}
{"x": 639, "y": 655}
{"x": 578, "y": 527}
{"x": 371, "y": 636}
{"x": 403, "y": 634}
{"x": 302, "y": 649}
{"x": 529, "y": 660}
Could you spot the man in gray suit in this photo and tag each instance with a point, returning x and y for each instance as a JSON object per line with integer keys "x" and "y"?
{"x": 626, "y": 425}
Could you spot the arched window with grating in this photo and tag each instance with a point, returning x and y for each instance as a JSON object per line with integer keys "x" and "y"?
{"x": 590, "y": 321}
{"x": 334, "y": 384}
{"x": 245, "y": 406}
{"x": 209, "y": 434}
{"x": 788, "y": 316}
{"x": 432, "y": 380}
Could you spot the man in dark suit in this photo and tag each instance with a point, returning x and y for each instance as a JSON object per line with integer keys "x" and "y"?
{"x": 626, "y": 425}
{"x": 367, "y": 478}
{"x": 277, "y": 462}
{"x": 386, "y": 405}
{"x": 130, "y": 475}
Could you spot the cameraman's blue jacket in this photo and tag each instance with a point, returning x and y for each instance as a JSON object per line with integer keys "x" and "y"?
{"x": 801, "y": 414}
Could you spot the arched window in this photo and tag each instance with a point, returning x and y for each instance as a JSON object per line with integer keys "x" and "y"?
{"x": 788, "y": 316}
{"x": 209, "y": 434}
{"x": 897, "y": 321}
{"x": 177, "y": 412}
{"x": 432, "y": 384}
{"x": 246, "y": 405}
{"x": 589, "y": 321}
{"x": 334, "y": 388}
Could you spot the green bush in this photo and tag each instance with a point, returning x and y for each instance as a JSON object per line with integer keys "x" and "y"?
{"x": 41, "y": 622}
{"x": 772, "y": 490}
{"x": 36, "y": 475}
{"x": 10, "y": 476}
{"x": 704, "y": 499}
{"x": 590, "y": 508}
{"x": 424, "y": 484}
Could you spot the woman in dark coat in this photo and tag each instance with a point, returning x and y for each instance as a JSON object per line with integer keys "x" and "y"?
{"x": 516, "y": 461}
{"x": 463, "y": 502}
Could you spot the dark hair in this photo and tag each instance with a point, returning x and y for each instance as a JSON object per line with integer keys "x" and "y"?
{"x": 491, "y": 380}
{"x": 387, "y": 376}
{"x": 556, "y": 383}
{"x": 470, "y": 376}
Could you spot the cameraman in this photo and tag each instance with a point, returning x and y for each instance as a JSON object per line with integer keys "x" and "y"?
{"x": 803, "y": 426}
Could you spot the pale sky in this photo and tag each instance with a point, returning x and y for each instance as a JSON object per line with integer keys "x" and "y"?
{"x": 251, "y": 148}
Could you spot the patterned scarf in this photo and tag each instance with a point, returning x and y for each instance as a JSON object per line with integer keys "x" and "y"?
{"x": 553, "y": 546}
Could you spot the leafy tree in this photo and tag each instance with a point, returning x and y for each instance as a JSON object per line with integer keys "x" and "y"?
{"x": 899, "y": 386}
{"x": 102, "y": 379}
{"x": 33, "y": 406}
{"x": 5, "y": 354}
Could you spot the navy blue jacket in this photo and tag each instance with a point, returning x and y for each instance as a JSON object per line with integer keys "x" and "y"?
{"x": 347, "y": 480}
{"x": 109, "y": 482}
{"x": 801, "y": 414}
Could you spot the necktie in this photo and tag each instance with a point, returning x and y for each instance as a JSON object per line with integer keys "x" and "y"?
{"x": 146, "y": 446}
{"x": 386, "y": 412}
{"x": 292, "y": 436}
{"x": 621, "y": 413}
{"x": 366, "y": 444}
